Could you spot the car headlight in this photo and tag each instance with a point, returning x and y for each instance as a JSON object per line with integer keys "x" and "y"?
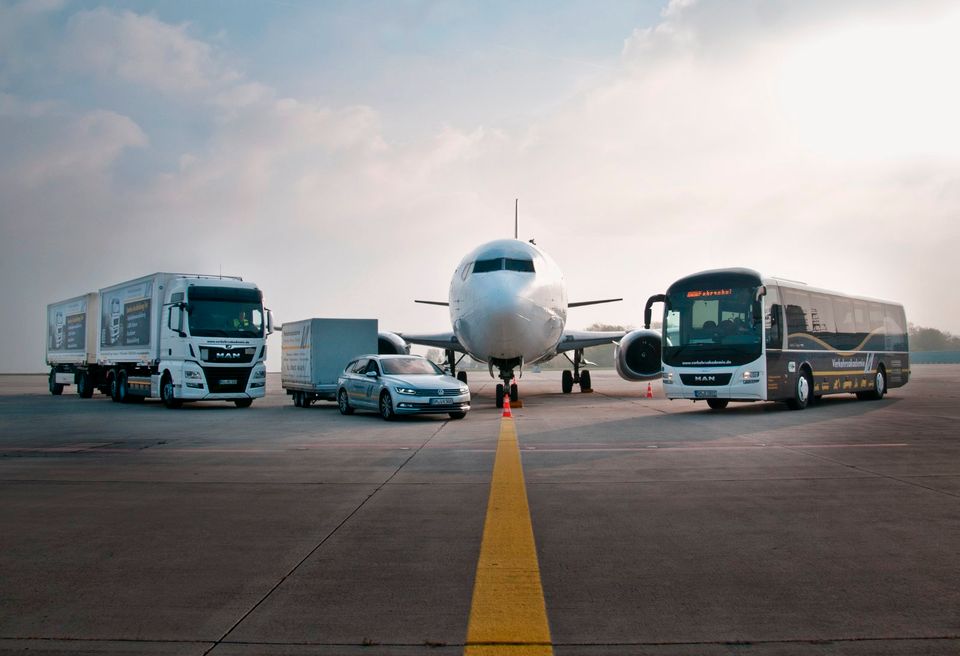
{"x": 406, "y": 390}
{"x": 464, "y": 390}
{"x": 192, "y": 374}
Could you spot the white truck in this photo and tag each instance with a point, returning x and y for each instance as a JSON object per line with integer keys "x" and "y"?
{"x": 315, "y": 351}
{"x": 173, "y": 336}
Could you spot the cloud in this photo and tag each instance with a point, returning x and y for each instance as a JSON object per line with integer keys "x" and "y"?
{"x": 143, "y": 50}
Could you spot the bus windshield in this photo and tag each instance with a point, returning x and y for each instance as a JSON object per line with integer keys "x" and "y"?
{"x": 712, "y": 327}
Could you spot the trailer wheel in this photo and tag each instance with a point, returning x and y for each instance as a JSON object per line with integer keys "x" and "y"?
{"x": 296, "y": 399}
{"x": 167, "y": 393}
{"x": 84, "y": 388}
{"x": 114, "y": 387}
{"x": 55, "y": 388}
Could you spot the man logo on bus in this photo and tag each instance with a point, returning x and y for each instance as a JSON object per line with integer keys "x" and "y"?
{"x": 705, "y": 379}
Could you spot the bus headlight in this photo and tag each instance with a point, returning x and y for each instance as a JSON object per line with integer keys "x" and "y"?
{"x": 751, "y": 377}
{"x": 667, "y": 378}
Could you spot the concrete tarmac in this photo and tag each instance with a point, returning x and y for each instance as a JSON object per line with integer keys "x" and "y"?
{"x": 661, "y": 527}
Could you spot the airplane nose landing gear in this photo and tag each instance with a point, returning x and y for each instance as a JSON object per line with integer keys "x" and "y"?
{"x": 506, "y": 368}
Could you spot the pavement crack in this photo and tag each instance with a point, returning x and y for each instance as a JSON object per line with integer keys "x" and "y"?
{"x": 323, "y": 541}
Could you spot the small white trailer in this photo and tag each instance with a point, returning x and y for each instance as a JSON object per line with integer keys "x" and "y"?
{"x": 315, "y": 351}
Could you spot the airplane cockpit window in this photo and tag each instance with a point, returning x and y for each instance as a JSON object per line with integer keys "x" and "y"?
{"x": 525, "y": 266}
{"x": 485, "y": 266}
{"x": 503, "y": 264}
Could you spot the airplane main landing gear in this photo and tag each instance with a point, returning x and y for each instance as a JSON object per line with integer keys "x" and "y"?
{"x": 570, "y": 378}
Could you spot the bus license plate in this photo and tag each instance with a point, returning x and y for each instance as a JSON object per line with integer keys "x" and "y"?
{"x": 441, "y": 401}
{"x": 228, "y": 381}
{"x": 705, "y": 394}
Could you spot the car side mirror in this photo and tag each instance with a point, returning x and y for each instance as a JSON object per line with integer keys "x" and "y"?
{"x": 371, "y": 374}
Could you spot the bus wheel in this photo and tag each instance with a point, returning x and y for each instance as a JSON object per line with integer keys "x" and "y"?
{"x": 717, "y": 404}
{"x": 802, "y": 388}
{"x": 880, "y": 385}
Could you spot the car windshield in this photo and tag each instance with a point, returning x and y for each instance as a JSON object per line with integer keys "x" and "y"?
{"x": 409, "y": 366}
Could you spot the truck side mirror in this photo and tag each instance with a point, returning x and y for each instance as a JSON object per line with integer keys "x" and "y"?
{"x": 269, "y": 322}
{"x": 175, "y": 320}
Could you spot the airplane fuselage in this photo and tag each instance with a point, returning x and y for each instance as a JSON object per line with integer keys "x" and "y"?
{"x": 508, "y": 303}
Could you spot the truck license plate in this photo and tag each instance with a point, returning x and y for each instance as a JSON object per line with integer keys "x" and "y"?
{"x": 228, "y": 381}
{"x": 441, "y": 401}
{"x": 705, "y": 394}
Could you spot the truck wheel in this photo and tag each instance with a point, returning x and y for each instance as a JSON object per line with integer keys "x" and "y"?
{"x": 386, "y": 407}
{"x": 123, "y": 388}
{"x": 114, "y": 388}
{"x": 55, "y": 388}
{"x": 343, "y": 403}
{"x": 84, "y": 386}
{"x": 167, "y": 393}
{"x": 243, "y": 403}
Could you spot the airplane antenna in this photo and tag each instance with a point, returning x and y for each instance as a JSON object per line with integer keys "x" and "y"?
{"x": 516, "y": 218}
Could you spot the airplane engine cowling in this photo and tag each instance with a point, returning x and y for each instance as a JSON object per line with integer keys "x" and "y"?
{"x": 638, "y": 355}
{"x": 391, "y": 344}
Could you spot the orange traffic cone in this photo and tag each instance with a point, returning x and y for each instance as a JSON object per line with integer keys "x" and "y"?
{"x": 506, "y": 407}
{"x": 649, "y": 391}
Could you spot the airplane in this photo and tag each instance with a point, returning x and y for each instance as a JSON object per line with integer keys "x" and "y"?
{"x": 508, "y": 308}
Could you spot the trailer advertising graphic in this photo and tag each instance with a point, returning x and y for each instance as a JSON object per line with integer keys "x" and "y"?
{"x": 67, "y": 326}
{"x": 125, "y": 316}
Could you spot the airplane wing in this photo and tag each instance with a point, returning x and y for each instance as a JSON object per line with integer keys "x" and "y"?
{"x": 578, "y": 339}
{"x": 445, "y": 341}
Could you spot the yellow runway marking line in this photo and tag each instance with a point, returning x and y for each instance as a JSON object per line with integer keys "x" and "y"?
{"x": 508, "y": 614}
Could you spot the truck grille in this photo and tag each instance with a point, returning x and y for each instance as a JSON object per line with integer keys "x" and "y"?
{"x": 227, "y": 356}
{"x": 227, "y": 379}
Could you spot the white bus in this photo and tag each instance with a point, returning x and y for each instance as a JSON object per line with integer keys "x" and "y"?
{"x": 733, "y": 335}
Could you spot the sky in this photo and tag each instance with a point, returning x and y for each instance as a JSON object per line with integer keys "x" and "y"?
{"x": 346, "y": 155}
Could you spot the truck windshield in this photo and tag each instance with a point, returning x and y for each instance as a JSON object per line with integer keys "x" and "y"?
{"x": 225, "y": 312}
{"x": 706, "y": 327}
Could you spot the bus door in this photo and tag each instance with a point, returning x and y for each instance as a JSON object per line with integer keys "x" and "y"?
{"x": 778, "y": 383}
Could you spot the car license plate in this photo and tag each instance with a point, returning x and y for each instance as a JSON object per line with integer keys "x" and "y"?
{"x": 441, "y": 401}
{"x": 228, "y": 381}
{"x": 705, "y": 394}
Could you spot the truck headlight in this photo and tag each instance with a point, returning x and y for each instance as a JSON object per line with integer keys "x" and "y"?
{"x": 192, "y": 374}
{"x": 259, "y": 373}
{"x": 406, "y": 390}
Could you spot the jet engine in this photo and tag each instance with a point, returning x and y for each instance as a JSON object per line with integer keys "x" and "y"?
{"x": 638, "y": 355}
{"x": 391, "y": 344}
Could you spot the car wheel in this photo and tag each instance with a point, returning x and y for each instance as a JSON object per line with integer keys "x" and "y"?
{"x": 343, "y": 403}
{"x": 386, "y": 407}
{"x": 243, "y": 403}
{"x": 458, "y": 415}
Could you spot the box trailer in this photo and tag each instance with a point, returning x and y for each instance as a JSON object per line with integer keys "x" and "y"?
{"x": 315, "y": 351}
{"x": 177, "y": 337}
{"x": 71, "y": 340}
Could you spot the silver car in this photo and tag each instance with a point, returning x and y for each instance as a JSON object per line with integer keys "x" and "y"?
{"x": 400, "y": 385}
